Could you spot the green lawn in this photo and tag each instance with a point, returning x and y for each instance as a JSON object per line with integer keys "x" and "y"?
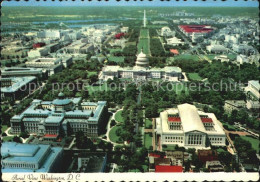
{"x": 130, "y": 43}
{"x": 114, "y": 50}
{"x": 112, "y": 135}
{"x": 3, "y": 128}
{"x": 118, "y": 117}
{"x": 143, "y": 44}
{"x": 230, "y": 126}
{"x": 148, "y": 124}
{"x": 92, "y": 89}
{"x": 219, "y": 150}
{"x": 194, "y": 76}
{"x": 116, "y": 59}
{"x": 169, "y": 148}
{"x": 90, "y": 73}
{"x": 232, "y": 56}
{"x": 7, "y": 138}
{"x": 253, "y": 141}
{"x": 147, "y": 141}
{"x": 179, "y": 87}
{"x": 144, "y": 33}
{"x": 186, "y": 57}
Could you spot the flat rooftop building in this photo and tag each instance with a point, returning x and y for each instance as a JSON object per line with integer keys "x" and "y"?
{"x": 51, "y": 65}
{"x": 92, "y": 162}
{"x": 15, "y": 88}
{"x": 22, "y": 158}
{"x": 21, "y": 72}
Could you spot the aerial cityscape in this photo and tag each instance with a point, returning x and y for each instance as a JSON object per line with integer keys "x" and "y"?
{"x": 144, "y": 89}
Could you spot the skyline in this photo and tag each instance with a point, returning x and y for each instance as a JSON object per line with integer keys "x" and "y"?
{"x": 156, "y": 3}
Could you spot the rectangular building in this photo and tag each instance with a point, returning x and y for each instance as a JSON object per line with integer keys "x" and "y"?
{"x": 186, "y": 126}
{"x": 21, "y": 72}
{"x": 61, "y": 117}
{"x": 16, "y": 88}
{"x": 21, "y": 158}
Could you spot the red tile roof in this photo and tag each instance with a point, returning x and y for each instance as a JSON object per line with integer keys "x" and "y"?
{"x": 206, "y": 120}
{"x": 174, "y": 51}
{"x": 50, "y": 135}
{"x": 195, "y": 28}
{"x": 174, "y": 119}
{"x": 154, "y": 155}
{"x": 177, "y": 169}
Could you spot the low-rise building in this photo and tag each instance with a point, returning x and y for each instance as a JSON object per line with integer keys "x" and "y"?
{"x": 51, "y": 65}
{"x": 252, "y": 90}
{"x": 222, "y": 58}
{"x": 39, "y": 52}
{"x": 166, "y": 31}
{"x": 61, "y": 116}
{"x": 188, "y": 127}
{"x": 92, "y": 162}
{"x": 243, "y": 49}
{"x": 214, "y": 166}
{"x": 217, "y": 49}
{"x": 241, "y": 59}
{"x": 16, "y": 88}
{"x": 21, "y": 158}
{"x": 79, "y": 47}
{"x": 174, "y": 41}
{"x": 177, "y": 157}
{"x": 207, "y": 155}
{"x": 231, "y": 105}
{"x": 21, "y": 72}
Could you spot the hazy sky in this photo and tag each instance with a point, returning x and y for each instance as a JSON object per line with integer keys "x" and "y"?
{"x": 239, "y": 3}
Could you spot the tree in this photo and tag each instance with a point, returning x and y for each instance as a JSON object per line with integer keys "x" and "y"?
{"x": 24, "y": 135}
{"x": 151, "y": 111}
{"x": 112, "y": 123}
{"x": 93, "y": 79}
{"x": 17, "y": 139}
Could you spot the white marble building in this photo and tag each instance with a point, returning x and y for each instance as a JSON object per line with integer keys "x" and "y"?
{"x": 190, "y": 128}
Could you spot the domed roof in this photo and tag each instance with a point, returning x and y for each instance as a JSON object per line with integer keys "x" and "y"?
{"x": 61, "y": 100}
{"x": 142, "y": 60}
{"x": 141, "y": 55}
{"x": 61, "y": 94}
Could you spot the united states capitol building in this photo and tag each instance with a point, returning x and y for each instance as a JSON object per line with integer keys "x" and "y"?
{"x": 188, "y": 127}
{"x": 141, "y": 71}
{"x": 61, "y": 116}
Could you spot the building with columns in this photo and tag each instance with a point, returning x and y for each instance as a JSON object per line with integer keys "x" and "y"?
{"x": 141, "y": 71}
{"x": 189, "y": 128}
{"x": 61, "y": 116}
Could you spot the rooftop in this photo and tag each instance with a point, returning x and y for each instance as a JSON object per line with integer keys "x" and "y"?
{"x": 255, "y": 83}
{"x": 159, "y": 168}
{"x": 190, "y": 118}
{"x": 28, "y": 153}
{"x": 196, "y": 28}
{"x": 17, "y": 83}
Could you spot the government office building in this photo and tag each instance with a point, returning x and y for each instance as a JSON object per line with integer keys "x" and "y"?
{"x": 17, "y": 157}
{"x": 141, "y": 71}
{"x": 189, "y": 128}
{"x": 61, "y": 116}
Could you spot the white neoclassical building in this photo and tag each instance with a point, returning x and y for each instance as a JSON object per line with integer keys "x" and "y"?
{"x": 188, "y": 127}
{"x": 141, "y": 71}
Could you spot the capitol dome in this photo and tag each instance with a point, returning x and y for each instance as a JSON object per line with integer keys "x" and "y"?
{"x": 142, "y": 60}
